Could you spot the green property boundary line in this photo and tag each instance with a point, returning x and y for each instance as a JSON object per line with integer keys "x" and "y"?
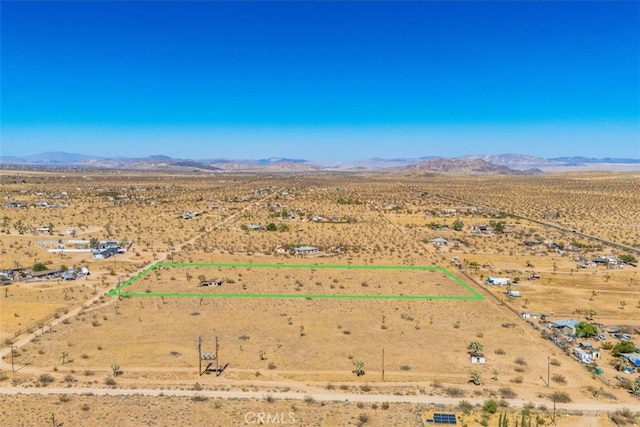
{"x": 475, "y": 295}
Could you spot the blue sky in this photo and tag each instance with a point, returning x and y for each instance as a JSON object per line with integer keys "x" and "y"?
{"x": 321, "y": 81}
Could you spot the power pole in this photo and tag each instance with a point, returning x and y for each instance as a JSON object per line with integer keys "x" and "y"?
{"x": 548, "y": 370}
{"x": 217, "y": 359}
{"x": 199, "y": 342}
{"x": 12, "y": 370}
{"x": 382, "y": 364}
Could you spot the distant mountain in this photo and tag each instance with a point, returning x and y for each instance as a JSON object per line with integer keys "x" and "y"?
{"x": 467, "y": 166}
{"x": 473, "y": 164}
{"x": 578, "y": 161}
{"x": 49, "y": 158}
{"x": 517, "y": 161}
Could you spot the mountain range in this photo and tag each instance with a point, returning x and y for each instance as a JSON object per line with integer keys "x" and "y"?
{"x": 476, "y": 164}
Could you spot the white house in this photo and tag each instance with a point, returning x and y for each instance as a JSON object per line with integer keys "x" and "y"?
{"x": 301, "y": 250}
{"x": 498, "y": 281}
{"x": 582, "y": 355}
{"x": 438, "y": 241}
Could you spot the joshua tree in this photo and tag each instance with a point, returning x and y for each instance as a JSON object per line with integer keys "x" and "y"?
{"x": 475, "y": 348}
{"x": 64, "y": 357}
{"x": 476, "y": 378}
{"x": 115, "y": 368}
{"x": 358, "y": 367}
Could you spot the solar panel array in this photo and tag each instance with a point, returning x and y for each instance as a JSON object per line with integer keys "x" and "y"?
{"x": 443, "y": 419}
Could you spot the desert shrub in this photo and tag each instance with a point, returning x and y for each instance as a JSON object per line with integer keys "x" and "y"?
{"x": 45, "y": 378}
{"x": 465, "y": 406}
{"x": 454, "y": 392}
{"x": 363, "y": 418}
{"x": 110, "y": 382}
{"x": 490, "y": 406}
{"x": 272, "y": 365}
{"x": 560, "y": 379}
{"x": 518, "y": 379}
{"x": 555, "y": 362}
{"x": 623, "y": 417}
{"x": 365, "y": 387}
{"x": 500, "y": 351}
{"x": 385, "y": 405}
{"x": 507, "y": 393}
{"x": 560, "y": 397}
{"x": 520, "y": 361}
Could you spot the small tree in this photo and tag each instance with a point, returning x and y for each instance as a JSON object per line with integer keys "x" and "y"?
{"x": 586, "y": 330}
{"x": 38, "y": 266}
{"x": 628, "y": 259}
{"x": 115, "y": 368}
{"x": 458, "y": 225}
{"x": 476, "y": 378}
{"x": 272, "y": 227}
{"x": 358, "y": 367}
{"x": 93, "y": 243}
{"x": 635, "y": 387}
{"x": 475, "y": 348}
{"x": 623, "y": 347}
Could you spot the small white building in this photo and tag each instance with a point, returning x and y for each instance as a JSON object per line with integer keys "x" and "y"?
{"x": 438, "y": 241}
{"x": 478, "y": 359}
{"x": 498, "y": 281}
{"x": 302, "y": 250}
{"x": 582, "y": 355}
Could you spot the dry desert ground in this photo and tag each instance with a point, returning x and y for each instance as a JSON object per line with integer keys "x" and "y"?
{"x": 317, "y": 273}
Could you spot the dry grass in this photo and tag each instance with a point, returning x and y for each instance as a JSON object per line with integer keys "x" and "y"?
{"x": 378, "y": 220}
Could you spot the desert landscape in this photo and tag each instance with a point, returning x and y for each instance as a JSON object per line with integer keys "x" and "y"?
{"x": 339, "y": 298}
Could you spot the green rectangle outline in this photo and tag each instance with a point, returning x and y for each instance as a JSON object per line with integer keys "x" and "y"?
{"x": 475, "y": 295}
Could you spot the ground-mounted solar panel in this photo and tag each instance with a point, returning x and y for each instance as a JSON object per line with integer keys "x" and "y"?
{"x": 444, "y": 419}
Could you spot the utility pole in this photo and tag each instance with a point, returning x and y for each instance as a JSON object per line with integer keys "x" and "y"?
{"x": 217, "y": 359}
{"x": 548, "y": 370}
{"x": 12, "y": 370}
{"x": 382, "y": 364}
{"x": 199, "y": 342}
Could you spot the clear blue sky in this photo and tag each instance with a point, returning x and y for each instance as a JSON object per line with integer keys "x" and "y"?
{"x": 321, "y": 81}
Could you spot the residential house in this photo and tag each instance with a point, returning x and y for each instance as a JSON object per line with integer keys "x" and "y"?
{"x": 567, "y": 327}
{"x": 582, "y": 355}
{"x": 498, "y": 281}
{"x": 438, "y": 241}
{"x": 303, "y": 250}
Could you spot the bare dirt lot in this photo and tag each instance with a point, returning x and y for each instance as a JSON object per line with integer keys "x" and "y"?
{"x": 312, "y": 343}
